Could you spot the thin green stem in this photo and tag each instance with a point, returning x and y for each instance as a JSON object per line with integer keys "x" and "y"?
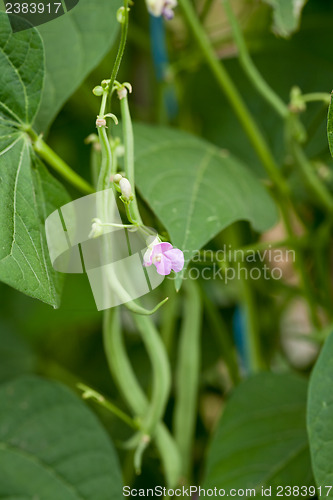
{"x": 250, "y": 69}
{"x": 47, "y": 154}
{"x": 89, "y": 393}
{"x": 220, "y": 332}
{"x": 316, "y": 122}
{"x": 250, "y": 306}
{"x": 129, "y": 154}
{"x": 318, "y": 189}
{"x": 111, "y": 224}
{"x": 106, "y": 165}
{"x": 252, "y": 326}
{"x": 300, "y": 265}
{"x": 317, "y": 96}
{"x": 95, "y": 162}
{"x": 169, "y": 317}
{"x": 234, "y": 98}
{"x": 121, "y": 49}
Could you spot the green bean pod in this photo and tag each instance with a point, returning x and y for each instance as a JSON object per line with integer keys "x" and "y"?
{"x": 161, "y": 380}
{"x": 187, "y": 375}
{"x": 133, "y": 394}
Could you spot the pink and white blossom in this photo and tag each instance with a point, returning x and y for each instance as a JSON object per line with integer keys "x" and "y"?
{"x": 164, "y": 257}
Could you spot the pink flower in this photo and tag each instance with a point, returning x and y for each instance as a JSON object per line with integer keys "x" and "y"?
{"x": 164, "y": 257}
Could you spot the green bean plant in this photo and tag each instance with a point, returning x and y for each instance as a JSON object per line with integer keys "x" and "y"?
{"x": 211, "y": 125}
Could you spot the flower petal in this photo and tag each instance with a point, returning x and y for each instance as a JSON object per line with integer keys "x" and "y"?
{"x": 148, "y": 257}
{"x": 176, "y": 257}
{"x": 164, "y": 266}
{"x": 162, "y": 247}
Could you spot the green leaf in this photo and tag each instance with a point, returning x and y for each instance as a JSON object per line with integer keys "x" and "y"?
{"x": 27, "y": 191}
{"x": 286, "y": 15}
{"x": 195, "y": 189}
{"x": 74, "y": 44}
{"x": 52, "y": 446}
{"x": 320, "y": 417}
{"x": 261, "y": 439}
{"x": 29, "y": 194}
{"x": 21, "y": 76}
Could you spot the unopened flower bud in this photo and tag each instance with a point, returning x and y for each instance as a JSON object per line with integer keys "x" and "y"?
{"x": 105, "y": 84}
{"x": 126, "y": 189}
{"x": 117, "y": 178}
{"x": 98, "y": 90}
{"x": 122, "y": 92}
{"x": 100, "y": 122}
{"x": 121, "y": 15}
{"x": 96, "y": 228}
{"x": 297, "y": 104}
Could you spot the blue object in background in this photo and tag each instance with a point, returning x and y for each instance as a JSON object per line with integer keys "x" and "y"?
{"x": 240, "y": 334}
{"x": 158, "y": 47}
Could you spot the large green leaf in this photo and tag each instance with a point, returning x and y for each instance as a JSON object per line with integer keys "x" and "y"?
{"x": 74, "y": 44}
{"x": 52, "y": 447}
{"x": 195, "y": 189}
{"x": 320, "y": 417}
{"x": 286, "y": 15}
{"x": 28, "y": 192}
{"x": 261, "y": 439}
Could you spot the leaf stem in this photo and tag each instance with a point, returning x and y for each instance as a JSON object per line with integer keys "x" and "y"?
{"x": 47, "y": 154}
{"x": 317, "y": 96}
{"x": 314, "y": 184}
{"x": 89, "y": 393}
{"x": 250, "y": 69}
{"x": 234, "y": 98}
